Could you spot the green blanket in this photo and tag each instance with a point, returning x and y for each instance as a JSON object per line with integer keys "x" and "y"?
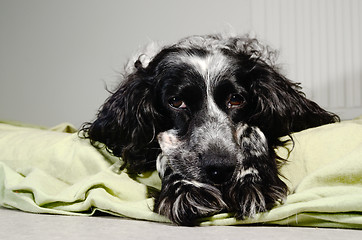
{"x": 54, "y": 171}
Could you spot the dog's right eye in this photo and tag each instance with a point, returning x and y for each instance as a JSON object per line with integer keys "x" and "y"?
{"x": 176, "y": 102}
{"x": 235, "y": 101}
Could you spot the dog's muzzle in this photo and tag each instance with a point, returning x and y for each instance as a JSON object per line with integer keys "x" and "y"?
{"x": 213, "y": 158}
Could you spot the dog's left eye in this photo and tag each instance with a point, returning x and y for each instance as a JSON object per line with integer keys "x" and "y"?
{"x": 176, "y": 102}
{"x": 235, "y": 101}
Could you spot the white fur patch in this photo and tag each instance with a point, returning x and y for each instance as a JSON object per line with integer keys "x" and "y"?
{"x": 161, "y": 163}
{"x": 168, "y": 140}
{"x": 256, "y": 140}
{"x": 249, "y": 171}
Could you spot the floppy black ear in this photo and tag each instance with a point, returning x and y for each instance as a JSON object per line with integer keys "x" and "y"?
{"x": 278, "y": 106}
{"x": 127, "y": 123}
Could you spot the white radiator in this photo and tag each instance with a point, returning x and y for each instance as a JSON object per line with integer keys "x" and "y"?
{"x": 320, "y": 43}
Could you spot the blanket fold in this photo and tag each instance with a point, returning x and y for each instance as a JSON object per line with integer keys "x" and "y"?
{"x": 55, "y": 171}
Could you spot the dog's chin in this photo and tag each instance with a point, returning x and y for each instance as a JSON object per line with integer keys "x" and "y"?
{"x": 185, "y": 202}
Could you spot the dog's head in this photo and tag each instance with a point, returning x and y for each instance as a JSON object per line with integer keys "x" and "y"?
{"x": 214, "y": 108}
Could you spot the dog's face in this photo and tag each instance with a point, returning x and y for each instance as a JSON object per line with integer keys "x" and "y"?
{"x": 206, "y": 99}
{"x": 210, "y": 110}
{"x": 210, "y": 144}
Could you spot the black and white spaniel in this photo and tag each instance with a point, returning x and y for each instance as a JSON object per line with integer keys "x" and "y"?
{"x": 207, "y": 113}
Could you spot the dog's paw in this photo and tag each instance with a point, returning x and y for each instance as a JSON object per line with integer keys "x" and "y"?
{"x": 252, "y": 198}
{"x": 250, "y": 202}
{"x": 184, "y": 201}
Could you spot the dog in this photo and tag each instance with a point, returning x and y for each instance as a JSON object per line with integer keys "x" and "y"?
{"x": 207, "y": 112}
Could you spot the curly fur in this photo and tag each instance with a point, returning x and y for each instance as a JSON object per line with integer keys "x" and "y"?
{"x": 207, "y": 112}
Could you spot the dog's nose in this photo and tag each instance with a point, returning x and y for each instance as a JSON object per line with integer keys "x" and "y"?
{"x": 219, "y": 174}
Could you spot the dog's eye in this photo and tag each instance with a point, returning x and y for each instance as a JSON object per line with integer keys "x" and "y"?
{"x": 235, "y": 101}
{"x": 176, "y": 102}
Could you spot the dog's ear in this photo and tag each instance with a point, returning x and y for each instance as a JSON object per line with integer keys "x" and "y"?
{"x": 127, "y": 122}
{"x": 278, "y": 106}
{"x": 275, "y": 104}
